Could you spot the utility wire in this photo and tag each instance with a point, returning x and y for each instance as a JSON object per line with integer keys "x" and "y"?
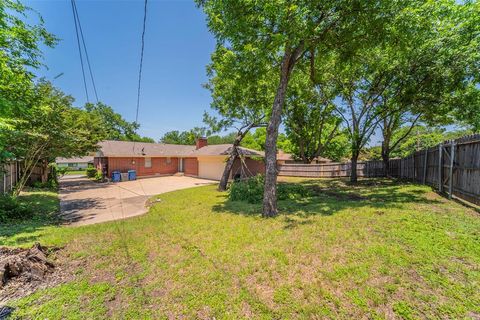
{"x": 80, "y": 50}
{"x": 85, "y": 48}
{"x": 141, "y": 60}
{"x": 141, "y": 67}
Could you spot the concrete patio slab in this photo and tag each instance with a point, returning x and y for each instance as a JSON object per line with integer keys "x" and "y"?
{"x": 83, "y": 201}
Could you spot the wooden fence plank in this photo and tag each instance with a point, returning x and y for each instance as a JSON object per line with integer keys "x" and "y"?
{"x": 425, "y": 166}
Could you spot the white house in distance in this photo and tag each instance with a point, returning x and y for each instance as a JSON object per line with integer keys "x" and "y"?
{"x": 75, "y": 163}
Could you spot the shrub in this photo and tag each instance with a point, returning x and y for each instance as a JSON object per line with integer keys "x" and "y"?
{"x": 99, "y": 176}
{"x": 50, "y": 184}
{"x": 12, "y": 209}
{"x": 91, "y": 172}
{"x": 251, "y": 190}
{"x": 61, "y": 171}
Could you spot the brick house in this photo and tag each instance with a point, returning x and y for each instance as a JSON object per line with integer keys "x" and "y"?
{"x": 157, "y": 159}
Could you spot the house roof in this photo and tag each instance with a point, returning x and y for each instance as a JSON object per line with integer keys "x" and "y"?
{"x": 224, "y": 150}
{"x": 74, "y": 160}
{"x": 110, "y": 148}
{"x": 283, "y": 156}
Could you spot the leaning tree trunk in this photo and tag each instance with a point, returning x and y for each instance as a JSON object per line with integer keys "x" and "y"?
{"x": 222, "y": 186}
{"x": 270, "y": 187}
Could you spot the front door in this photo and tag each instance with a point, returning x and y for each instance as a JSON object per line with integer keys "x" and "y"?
{"x": 180, "y": 165}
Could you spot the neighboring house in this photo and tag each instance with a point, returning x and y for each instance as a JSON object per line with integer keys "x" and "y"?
{"x": 75, "y": 163}
{"x": 155, "y": 159}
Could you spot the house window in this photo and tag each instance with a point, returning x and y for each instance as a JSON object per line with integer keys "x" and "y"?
{"x": 169, "y": 160}
{"x": 72, "y": 164}
{"x": 148, "y": 162}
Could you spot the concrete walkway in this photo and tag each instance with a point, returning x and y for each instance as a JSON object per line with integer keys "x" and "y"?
{"x": 83, "y": 201}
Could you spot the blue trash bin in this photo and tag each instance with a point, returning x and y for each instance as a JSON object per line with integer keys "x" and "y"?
{"x": 116, "y": 176}
{"x": 132, "y": 175}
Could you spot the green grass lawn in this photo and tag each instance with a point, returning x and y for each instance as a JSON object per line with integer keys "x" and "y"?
{"x": 378, "y": 250}
{"x": 75, "y": 172}
{"x": 46, "y": 206}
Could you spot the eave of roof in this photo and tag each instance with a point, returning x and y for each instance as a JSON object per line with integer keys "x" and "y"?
{"x": 110, "y": 148}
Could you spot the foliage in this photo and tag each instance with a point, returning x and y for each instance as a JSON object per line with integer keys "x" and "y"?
{"x": 426, "y": 84}
{"x": 311, "y": 123}
{"x": 61, "y": 171}
{"x": 240, "y": 94}
{"x": 423, "y": 137}
{"x": 50, "y": 184}
{"x": 256, "y": 140}
{"x": 12, "y": 209}
{"x": 91, "y": 172}
{"x": 49, "y": 127}
{"x": 184, "y": 137}
{"x": 115, "y": 127}
{"x": 251, "y": 190}
{"x": 98, "y": 176}
{"x": 20, "y": 53}
{"x": 219, "y": 139}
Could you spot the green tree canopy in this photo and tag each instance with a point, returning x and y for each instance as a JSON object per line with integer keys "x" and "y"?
{"x": 115, "y": 127}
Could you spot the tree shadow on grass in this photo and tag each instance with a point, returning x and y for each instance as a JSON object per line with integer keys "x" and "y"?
{"x": 46, "y": 208}
{"x": 326, "y": 197}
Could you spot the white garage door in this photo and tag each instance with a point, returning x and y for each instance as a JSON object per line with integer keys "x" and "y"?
{"x": 211, "y": 169}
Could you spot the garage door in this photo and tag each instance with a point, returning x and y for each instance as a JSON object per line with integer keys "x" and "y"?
{"x": 211, "y": 169}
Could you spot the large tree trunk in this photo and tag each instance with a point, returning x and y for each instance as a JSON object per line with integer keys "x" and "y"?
{"x": 270, "y": 190}
{"x": 353, "y": 170}
{"x": 386, "y": 161}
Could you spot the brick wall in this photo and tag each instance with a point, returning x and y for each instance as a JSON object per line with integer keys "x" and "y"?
{"x": 190, "y": 166}
{"x": 254, "y": 166}
{"x": 160, "y": 166}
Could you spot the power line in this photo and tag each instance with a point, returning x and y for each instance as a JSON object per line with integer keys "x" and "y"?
{"x": 141, "y": 60}
{"x": 85, "y": 49}
{"x": 140, "y": 68}
{"x": 80, "y": 50}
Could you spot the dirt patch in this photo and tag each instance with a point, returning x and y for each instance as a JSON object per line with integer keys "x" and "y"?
{"x": 23, "y": 271}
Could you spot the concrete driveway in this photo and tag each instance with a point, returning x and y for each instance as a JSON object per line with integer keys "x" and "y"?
{"x": 85, "y": 202}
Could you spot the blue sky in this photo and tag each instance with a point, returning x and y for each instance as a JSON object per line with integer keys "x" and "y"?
{"x": 177, "y": 49}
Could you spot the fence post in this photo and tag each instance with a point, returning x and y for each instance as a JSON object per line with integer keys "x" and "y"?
{"x": 425, "y": 163}
{"x": 440, "y": 169}
{"x": 450, "y": 180}
{"x": 11, "y": 177}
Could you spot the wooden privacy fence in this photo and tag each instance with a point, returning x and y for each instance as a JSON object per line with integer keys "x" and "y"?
{"x": 9, "y": 175}
{"x": 331, "y": 170}
{"x": 452, "y": 167}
